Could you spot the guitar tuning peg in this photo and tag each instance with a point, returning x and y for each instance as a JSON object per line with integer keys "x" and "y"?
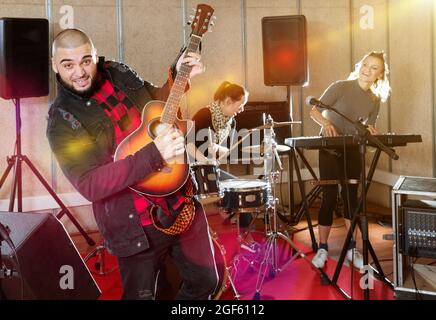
{"x": 212, "y": 23}
{"x": 191, "y": 16}
{"x": 210, "y": 30}
{"x": 214, "y": 17}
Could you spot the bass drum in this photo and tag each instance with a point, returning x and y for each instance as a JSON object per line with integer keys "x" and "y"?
{"x": 169, "y": 281}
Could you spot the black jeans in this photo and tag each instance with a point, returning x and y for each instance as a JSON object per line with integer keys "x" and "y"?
{"x": 331, "y": 167}
{"x": 192, "y": 253}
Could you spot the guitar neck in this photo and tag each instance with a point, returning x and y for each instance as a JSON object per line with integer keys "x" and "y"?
{"x": 169, "y": 114}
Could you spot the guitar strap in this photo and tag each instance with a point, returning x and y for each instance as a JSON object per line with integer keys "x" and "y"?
{"x": 184, "y": 218}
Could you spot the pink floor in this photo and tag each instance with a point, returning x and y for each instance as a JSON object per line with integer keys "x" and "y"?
{"x": 297, "y": 279}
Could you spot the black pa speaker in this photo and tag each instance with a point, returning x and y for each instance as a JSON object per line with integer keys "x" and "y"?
{"x": 284, "y": 50}
{"x": 24, "y": 57}
{"x": 50, "y": 266}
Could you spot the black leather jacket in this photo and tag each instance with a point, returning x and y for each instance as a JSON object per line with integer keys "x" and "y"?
{"x": 82, "y": 139}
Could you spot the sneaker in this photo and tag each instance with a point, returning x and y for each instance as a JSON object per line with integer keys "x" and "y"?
{"x": 357, "y": 259}
{"x": 320, "y": 258}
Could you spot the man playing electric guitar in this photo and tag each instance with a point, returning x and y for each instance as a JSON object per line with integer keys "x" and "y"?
{"x": 99, "y": 104}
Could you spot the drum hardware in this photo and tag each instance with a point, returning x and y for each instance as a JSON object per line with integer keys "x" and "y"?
{"x": 255, "y": 195}
{"x": 206, "y": 179}
{"x": 100, "y": 265}
{"x": 243, "y": 195}
{"x": 270, "y": 259}
{"x": 273, "y": 124}
{"x": 265, "y": 126}
{"x": 228, "y": 275}
{"x": 206, "y": 176}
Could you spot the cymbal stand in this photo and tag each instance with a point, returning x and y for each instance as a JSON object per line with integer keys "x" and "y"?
{"x": 270, "y": 261}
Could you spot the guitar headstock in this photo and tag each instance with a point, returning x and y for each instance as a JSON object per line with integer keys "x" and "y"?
{"x": 202, "y": 19}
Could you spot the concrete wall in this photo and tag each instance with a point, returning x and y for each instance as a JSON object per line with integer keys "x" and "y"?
{"x": 148, "y": 35}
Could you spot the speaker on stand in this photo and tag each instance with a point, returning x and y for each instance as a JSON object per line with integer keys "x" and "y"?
{"x": 284, "y": 51}
{"x": 24, "y": 67}
{"x": 285, "y": 63}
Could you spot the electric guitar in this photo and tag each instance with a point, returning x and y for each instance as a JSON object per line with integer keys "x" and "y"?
{"x": 159, "y": 115}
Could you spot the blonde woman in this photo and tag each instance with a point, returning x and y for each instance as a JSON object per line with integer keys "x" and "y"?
{"x": 358, "y": 98}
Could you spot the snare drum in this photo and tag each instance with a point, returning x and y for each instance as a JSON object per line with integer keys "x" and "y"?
{"x": 243, "y": 194}
{"x": 206, "y": 177}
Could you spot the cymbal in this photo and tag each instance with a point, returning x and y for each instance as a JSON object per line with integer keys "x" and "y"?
{"x": 275, "y": 125}
{"x": 260, "y": 148}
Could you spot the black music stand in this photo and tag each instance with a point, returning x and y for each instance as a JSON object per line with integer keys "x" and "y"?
{"x": 17, "y": 182}
{"x": 359, "y": 216}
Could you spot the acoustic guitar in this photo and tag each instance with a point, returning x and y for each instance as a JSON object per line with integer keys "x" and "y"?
{"x": 158, "y": 116}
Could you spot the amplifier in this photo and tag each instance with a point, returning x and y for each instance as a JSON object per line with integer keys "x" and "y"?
{"x": 418, "y": 229}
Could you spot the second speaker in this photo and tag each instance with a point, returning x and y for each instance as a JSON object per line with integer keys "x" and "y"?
{"x": 284, "y": 50}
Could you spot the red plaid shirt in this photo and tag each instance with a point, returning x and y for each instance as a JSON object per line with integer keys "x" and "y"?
{"x": 126, "y": 118}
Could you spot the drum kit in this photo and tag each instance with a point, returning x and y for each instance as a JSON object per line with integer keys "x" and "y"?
{"x": 236, "y": 195}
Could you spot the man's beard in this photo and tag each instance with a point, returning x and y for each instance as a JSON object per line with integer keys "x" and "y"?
{"x": 88, "y": 93}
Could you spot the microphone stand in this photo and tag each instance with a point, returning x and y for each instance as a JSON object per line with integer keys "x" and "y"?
{"x": 359, "y": 216}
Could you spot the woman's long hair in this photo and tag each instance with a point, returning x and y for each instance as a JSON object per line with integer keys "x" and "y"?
{"x": 381, "y": 87}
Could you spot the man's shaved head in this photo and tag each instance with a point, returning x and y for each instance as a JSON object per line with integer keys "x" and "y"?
{"x": 70, "y": 39}
{"x": 75, "y": 61}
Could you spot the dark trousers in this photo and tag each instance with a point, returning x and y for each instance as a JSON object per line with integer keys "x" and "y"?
{"x": 192, "y": 253}
{"x": 331, "y": 167}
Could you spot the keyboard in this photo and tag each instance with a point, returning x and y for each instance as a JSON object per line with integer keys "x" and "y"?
{"x": 318, "y": 142}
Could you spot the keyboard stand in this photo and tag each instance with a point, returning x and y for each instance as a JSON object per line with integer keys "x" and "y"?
{"x": 311, "y": 196}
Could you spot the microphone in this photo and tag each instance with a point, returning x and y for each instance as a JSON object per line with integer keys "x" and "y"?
{"x": 312, "y": 101}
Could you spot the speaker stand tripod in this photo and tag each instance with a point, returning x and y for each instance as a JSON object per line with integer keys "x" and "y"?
{"x": 15, "y": 161}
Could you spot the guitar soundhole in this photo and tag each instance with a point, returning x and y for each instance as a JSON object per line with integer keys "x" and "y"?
{"x": 155, "y": 127}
